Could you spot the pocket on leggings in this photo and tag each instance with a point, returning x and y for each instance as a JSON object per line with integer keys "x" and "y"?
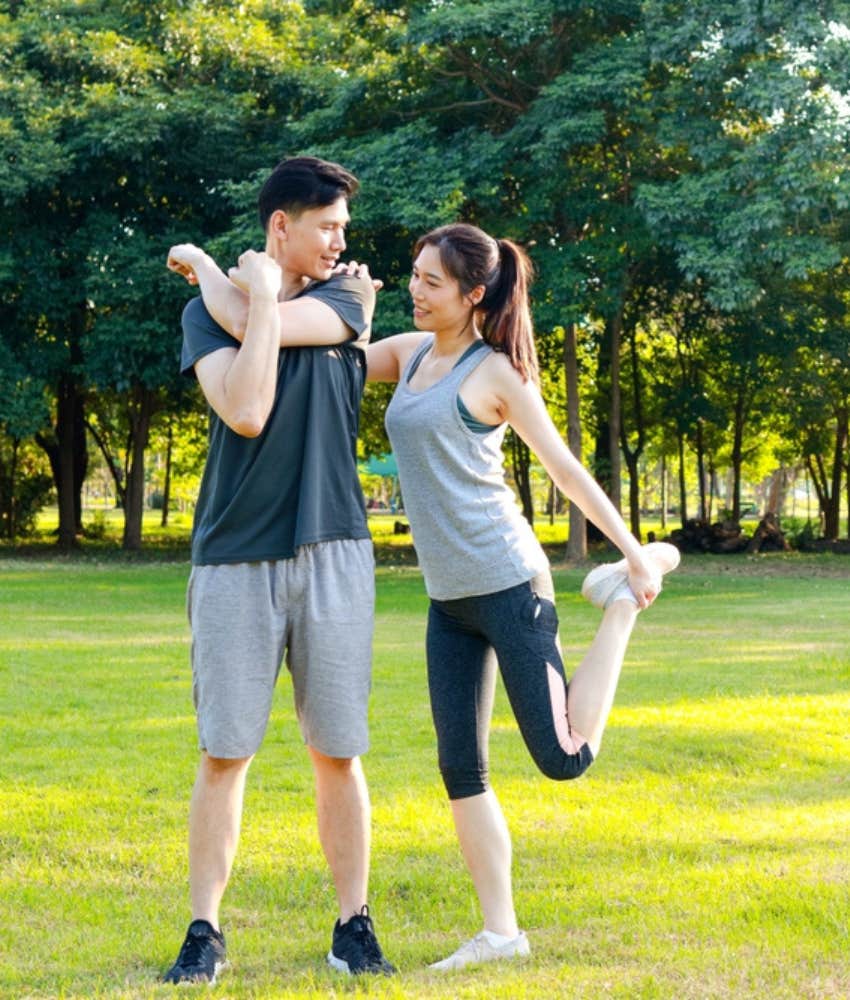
{"x": 546, "y": 615}
{"x": 539, "y": 613}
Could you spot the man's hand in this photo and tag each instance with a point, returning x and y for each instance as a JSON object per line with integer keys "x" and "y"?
{"x": 184, "y": 259}
{"x": 355, "y": 270}
{"x": 257, "y": 274}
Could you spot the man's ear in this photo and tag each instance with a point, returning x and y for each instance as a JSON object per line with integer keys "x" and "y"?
{"x": 278, "y": 223}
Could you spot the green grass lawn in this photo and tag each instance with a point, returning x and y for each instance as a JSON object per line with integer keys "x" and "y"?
{"x": 108, "y": 523}
{"x": 705, "y": 855}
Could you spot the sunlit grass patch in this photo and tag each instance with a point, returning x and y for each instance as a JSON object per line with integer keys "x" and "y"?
{"x": 703, "y": 855}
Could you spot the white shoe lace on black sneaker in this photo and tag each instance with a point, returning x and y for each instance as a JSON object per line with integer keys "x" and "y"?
{"x": 202, "y": 956}
{"x": 355, "y": 947}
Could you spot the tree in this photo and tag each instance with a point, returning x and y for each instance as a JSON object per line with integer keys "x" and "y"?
{"x": 116, "y": 151}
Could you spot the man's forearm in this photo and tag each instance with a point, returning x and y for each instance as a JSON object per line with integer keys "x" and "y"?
{"x": 222, "y": 298}
{"x": 252, "y": 378}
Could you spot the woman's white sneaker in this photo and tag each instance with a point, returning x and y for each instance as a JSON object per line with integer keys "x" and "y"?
{"x": 485, "y": 947}
{"x": 610, "y": 582}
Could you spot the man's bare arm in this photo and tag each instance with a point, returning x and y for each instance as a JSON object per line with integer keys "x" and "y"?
{"x": 304, "y": 322}
{"x": 240, "y": 384}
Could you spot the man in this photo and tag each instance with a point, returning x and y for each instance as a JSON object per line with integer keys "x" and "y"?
{"x": 282, "y": 559}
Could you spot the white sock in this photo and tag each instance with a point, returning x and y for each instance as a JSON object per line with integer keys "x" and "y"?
{"x": 622, "y": 593}
{"x": 497, "y": 940}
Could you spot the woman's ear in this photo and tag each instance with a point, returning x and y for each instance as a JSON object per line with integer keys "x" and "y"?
{"x": 475, "y": 296}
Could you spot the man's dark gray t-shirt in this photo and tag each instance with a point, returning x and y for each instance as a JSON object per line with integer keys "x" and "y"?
{"x": 297, "y": 482}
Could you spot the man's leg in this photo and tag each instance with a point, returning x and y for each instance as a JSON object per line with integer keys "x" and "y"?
{"x": 344, "y": 818}
{"x": 215, "y": 819}
{"x": 237, "y": 647}
{"x": 344, "y": 815}
{"x": 329, "y": 658}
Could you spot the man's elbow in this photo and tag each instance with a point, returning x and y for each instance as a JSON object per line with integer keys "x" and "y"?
{"x": 248, "y": 423}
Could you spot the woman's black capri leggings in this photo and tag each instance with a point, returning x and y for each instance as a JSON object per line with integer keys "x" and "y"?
{"x": 517, "y": 629}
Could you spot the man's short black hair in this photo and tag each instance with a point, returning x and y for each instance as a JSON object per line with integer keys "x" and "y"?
{"x": 303, "y": 182}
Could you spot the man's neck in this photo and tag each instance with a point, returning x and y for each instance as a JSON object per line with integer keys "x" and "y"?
{"x": 292, "y": 284}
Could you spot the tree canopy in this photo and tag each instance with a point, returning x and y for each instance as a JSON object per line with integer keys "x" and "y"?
{"x": 677, "y": 171}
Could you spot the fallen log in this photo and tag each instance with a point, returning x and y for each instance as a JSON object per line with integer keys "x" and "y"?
{"x": 768, "y": 536}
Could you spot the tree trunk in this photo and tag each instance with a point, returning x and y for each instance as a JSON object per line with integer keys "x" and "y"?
{"x": 81, "y": 459}
{"x": 711, "y": 489}
{"x": 66, "y": 437}
{"x": 841, "y": 430}
{"x": 663, "y": 492}
{"x": 683, "y": 495}
{"x": 634, "y": 496}
{"x": 703, "y": 507}
{"x": 577, "y": 539}
{"x": 776, "y": 491}
{"x": 521, "y": 462}
{"x": 118, "y": 477}
{"x": 141, "y": 411}
{"x": 847, "y": 483}
{"x": 632, "y": 455}
{"x": 12, "y": 511}
{"x": 615, "y": 330}
{"x": 66, "y": 452}
{"x": 737, "y": 455}
{"x": 828, "y": 484}
{"x": 166, "y": 488}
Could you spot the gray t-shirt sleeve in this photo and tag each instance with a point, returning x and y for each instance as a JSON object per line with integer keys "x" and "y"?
{"x": 201, "y": 335}
{"x": 352, "y": 299}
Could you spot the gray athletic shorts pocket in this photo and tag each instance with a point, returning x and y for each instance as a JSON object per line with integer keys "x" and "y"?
{"x": 316, "y": 612}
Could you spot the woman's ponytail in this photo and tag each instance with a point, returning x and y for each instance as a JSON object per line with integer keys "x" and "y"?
{"x": 506, "y": 323}
{"x": 474, "y": 259}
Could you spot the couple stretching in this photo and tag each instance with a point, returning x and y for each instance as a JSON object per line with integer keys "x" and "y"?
{"x": 282, "y": 561}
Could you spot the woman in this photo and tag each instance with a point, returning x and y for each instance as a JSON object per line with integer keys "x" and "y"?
{"x": 468, "y": 373}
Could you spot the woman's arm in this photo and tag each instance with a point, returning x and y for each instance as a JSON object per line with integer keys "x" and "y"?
{"x": 526, "y": 412}
{"x": 386, "y": 358}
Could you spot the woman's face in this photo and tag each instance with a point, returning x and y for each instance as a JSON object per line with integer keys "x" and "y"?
{"x": 438, "y": 303}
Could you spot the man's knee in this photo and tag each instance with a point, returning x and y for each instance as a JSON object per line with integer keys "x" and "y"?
{"x": 333, "y": 765}
{"x": 217, "y": 768}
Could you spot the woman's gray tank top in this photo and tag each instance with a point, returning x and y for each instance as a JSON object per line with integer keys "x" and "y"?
{"x": 470, "y": 536}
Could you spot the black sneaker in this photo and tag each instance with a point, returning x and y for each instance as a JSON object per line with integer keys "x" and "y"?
{"x": 355, "y": 948}
{"x": 202, "y": 956}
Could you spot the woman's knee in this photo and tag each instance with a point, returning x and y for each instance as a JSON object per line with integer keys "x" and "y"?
{"x": 462, "y": 783}
{"x": 562, "y": 766}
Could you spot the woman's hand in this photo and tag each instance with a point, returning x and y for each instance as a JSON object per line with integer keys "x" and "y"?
{"x": 644, "y": 579}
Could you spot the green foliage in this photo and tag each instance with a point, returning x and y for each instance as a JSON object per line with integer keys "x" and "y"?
{"x": 671, "y": 166}
{"x": 758, "y": 98}
{"x": 25, "y": 487}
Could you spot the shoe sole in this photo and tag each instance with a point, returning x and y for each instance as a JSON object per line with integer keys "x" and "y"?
{"x": 340, "y": 965}
{"x": 522, "y": 950}
{"x": 219, "y": 967}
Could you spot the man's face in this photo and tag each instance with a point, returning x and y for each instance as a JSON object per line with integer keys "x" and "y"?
{"x": 315, "y": 240}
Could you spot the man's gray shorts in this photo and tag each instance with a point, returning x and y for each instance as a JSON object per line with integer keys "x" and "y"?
{"x": 317, "y": 610}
